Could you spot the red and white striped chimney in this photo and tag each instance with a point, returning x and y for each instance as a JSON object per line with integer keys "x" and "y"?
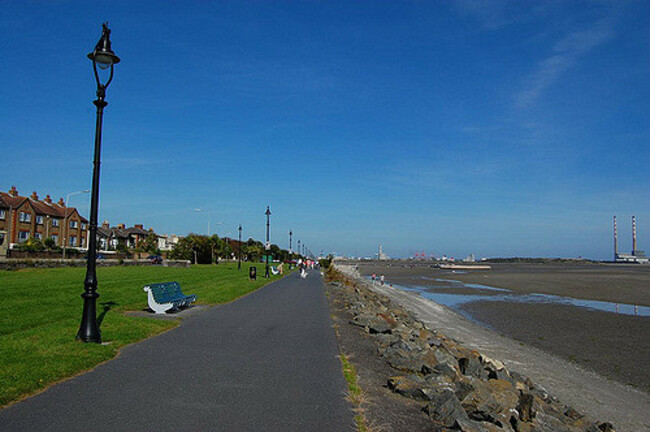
{"x": 633, "y": 235}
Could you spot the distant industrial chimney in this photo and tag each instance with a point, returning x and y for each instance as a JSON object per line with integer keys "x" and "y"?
{"x": 633, "y": 235}
{"x": 615, "y": 239}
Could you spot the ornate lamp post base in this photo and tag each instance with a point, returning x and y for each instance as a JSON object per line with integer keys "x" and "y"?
{"x": 89, "y": 330}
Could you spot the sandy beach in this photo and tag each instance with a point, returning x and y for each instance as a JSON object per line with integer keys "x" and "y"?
{"x": 611, "y": 344}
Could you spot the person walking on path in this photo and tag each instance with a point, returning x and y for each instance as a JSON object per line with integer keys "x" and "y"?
{"x": 382, "y": 278}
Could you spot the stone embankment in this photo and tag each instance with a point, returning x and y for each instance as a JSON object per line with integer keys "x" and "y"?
{"x": 21, "y": 263}
{"x": 459, "y": 388}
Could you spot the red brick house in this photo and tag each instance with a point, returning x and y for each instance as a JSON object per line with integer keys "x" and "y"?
{"x": 22, "y": 218}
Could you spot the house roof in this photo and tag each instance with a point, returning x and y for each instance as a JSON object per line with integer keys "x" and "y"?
{"x": 40, "y": 207}
{"x": 104, "y": 232}
{"x": 121, "y": 232}
{"x": 12, "y": 201}
{"x": 136, "y": 230}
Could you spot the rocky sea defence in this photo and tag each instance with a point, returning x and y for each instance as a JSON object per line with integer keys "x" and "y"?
{"x": 459, "y": 388}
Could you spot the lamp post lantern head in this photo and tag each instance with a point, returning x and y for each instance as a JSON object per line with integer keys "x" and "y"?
{"x": 239, "y": 229}
{"x": 268, "y": 211}
{"x": 103, "y": 55}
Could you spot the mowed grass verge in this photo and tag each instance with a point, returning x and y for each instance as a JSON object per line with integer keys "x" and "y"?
{"x": 40, "y": 312}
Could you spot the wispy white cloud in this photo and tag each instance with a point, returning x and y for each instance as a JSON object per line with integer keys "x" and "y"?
{"x": 566, "y": 54}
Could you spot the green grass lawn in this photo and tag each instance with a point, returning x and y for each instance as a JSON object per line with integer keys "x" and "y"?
{"x": 40, "y": 312}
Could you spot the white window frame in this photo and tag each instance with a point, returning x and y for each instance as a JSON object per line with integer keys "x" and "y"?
{"x": 55, "y": 238}
{"x": 55, "y": 222}
{"x": 38, "y": 236}
{"x": 39, "y": 220}
{"x": 73, "y": 224}
{"x": 72, "y": 240}
{"x": 2, "y": 215}
{"x": 83, "y": 226}
{"x": 22, "y": 237}
{"x": 24, "y": 217}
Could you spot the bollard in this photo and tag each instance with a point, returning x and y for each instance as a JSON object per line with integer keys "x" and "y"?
{"x": 252, "y": 273}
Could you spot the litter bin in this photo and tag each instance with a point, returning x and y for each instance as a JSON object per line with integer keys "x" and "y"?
{"x": 252, "y": 273}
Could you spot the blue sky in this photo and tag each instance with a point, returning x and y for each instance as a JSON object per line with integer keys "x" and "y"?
{"x": 501, "y": 128}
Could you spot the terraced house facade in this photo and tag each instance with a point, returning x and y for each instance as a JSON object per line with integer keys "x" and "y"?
{"x": 22, "y": 218}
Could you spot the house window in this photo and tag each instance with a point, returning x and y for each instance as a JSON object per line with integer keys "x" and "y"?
{"x": 24, "y": 217}
{"x": 55, "y": 222}
{"x": 83, "y": 226}
{"x": 74, "y": 224}
{"x": 23, "y": 236}
{"x": 38, "y": 236}
{"x": 55, "y": 239}
{"x": 2, "y": 238}
{"x": 72, "y": 241}
{"x": 39, "y": 220}
{"x": 2, "y": 214}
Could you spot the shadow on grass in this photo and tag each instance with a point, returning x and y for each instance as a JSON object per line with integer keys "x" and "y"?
{"x": 106, "y": 307}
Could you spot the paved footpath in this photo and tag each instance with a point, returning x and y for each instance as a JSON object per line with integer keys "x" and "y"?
{"x": 266, "y": 362}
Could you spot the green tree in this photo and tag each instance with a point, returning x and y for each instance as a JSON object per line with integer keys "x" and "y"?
{"x": 149, "y": 245}
{"x": 192, "y": 247}
{"x": 252, "y": 252}
{"x": 49, "y": 243}
{"x": 32, "y": 245}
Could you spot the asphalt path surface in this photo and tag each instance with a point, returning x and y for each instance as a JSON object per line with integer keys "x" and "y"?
{"x": 266, "y": 362}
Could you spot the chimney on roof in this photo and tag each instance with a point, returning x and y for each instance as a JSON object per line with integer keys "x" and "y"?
{"x": 121, "y": 226}
{"x": 34, "y": 196}
{"x": 633, "y": 235}
{"x": 13, "y": 192}
{"x": 106, "y": 225}
{"x": 150, "y": 230}
{"x": 48, "y": 199}
{"x": 61, "y": 202}
{"x": 140, "y": 226}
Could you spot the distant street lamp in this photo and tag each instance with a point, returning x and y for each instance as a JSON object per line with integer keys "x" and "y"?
{"x": 239, "y": 253}
{"x": 268, "y": 244}
{"x": 105, "y": 58}
{"x": 65, "y": 217}
{"x": 299, "y": 248}
{"x": 290, "y": 251}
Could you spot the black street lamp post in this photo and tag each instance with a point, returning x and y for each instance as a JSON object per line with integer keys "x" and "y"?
{"x": 104, "y": 58}
{"x": 239, "y": 262}
{"x": 299, "y": 248}
{"x": 290, "y": 251}
{"x": 268, "y": 244}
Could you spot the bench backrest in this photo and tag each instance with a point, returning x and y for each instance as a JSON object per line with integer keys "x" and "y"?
{"x": 166, "y": 291}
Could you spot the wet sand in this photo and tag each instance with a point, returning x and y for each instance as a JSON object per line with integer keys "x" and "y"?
{"x": 613, "y": 283}
{"x": 615, "y": 346}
